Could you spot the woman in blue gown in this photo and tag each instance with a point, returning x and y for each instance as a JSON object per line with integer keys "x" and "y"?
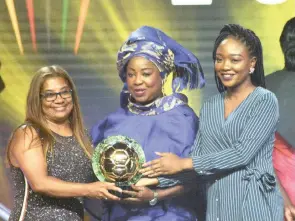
{"x": 156, "y": 121}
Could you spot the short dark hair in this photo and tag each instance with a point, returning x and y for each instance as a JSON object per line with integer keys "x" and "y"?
{"x": 252, "y": 42}
{"x": 287, "y": 41}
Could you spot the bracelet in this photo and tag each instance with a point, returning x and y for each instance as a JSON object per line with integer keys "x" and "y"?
{"x": 155, "y": 199}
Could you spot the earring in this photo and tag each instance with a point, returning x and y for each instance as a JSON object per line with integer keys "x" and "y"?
{"x": 251, "y": 70}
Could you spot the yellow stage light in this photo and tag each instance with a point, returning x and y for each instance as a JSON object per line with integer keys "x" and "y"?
{"x": 191, "y": 2}
{"x": 271, "y": 2}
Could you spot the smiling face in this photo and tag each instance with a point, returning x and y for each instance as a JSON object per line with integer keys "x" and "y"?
{"x": 233, "y": 63}
{"x": 143, "y": 80}
{"x": 59, "y": 109}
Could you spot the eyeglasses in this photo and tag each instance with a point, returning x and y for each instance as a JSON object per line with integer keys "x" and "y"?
{"x": 50, "y": 96}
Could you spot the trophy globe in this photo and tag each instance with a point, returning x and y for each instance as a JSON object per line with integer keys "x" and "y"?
{"x": 118, "y": 159}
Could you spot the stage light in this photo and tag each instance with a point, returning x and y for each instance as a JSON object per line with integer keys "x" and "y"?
{"x": 14, "y": 21}
{"x": 191, "y": 2}
{"x": 271, "y": 2}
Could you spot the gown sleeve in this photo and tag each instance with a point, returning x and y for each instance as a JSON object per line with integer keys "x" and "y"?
{"x": 96, "y": 207}
{"x": 187, "y": 127}
{"x": 97, "y": 132}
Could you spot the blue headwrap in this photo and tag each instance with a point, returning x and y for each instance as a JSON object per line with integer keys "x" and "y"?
{"x": 166, "y": 54}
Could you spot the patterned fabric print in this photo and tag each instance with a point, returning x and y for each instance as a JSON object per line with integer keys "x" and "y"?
{"x": 160, "y": 55}
{"x": 166, "y": 54}
{"x": 159, "y": 106}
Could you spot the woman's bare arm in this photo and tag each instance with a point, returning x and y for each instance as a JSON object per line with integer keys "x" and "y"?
{"x": 26, "y": 153}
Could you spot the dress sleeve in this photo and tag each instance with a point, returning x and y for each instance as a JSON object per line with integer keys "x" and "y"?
{"x": 97, "y": 132}
{"x": 95, "y": 207}
{"x": 260, "y": 126}
{"x": 182, "y": 131}
{"x": 186, "y": 128}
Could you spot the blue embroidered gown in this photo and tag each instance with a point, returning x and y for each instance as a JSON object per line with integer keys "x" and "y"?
{"x": 168, "y": 125}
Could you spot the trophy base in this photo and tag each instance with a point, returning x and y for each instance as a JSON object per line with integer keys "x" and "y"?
{"x": 123, "y": 187}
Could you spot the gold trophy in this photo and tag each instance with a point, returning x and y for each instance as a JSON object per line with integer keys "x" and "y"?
{"x": 118, "y": 159}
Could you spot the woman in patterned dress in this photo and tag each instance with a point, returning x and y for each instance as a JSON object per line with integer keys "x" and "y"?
{"x": 49, "y": 153}
{"x": 232, "y": 153}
